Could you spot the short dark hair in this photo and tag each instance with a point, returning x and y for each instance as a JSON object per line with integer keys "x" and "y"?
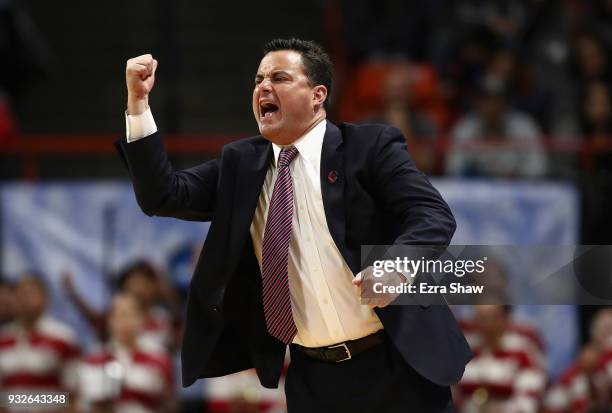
{"x": 316, "y": 62}
{"x": 137, "y": 267}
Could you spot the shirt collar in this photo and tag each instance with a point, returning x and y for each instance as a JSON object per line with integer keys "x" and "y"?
{"x": 308, "y": 145}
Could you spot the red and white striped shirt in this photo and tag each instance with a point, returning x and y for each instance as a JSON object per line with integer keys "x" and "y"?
{"x": 41, "y": 359}
{"x": 525, "y": 335}
{"x": 138, "y": 381}
{"x": 571, "y": 394}
{"x": 508, "y": 376}
{"x": 158, "y": 329}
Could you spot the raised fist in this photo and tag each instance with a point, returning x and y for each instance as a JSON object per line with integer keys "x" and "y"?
{"x": 139, "y": 78}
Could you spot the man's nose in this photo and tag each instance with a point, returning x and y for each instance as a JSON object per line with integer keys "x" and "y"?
{"x": 265, "y": 85}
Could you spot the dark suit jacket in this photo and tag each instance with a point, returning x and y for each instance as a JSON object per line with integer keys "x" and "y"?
{"x": 378, "y": 198}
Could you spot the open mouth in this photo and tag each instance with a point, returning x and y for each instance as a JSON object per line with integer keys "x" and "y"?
{"x": 267, "y": 109}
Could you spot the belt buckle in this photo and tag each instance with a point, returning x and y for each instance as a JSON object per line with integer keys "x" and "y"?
{"x": 348, "y": 352}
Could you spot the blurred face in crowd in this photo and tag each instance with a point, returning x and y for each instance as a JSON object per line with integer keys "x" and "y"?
{"x": 141, "y": 286}
{"x": 496, "y": 278}
{"x": 601, "y": 328}
{"x": 285, "y": 104}
{"x": 597, "y": 104}
{"x": 126, "y": 319}
{"x": 397, "y": 85}
{"x": 7, "y": 303}
{"x": 492, "y": 109}
{"x": 591, "y": 57}
{"x": 588, "y": 358}
{"x": 31, "y": 299}
{"x": 503, "y": 65}
{"x": 492, "y": 322}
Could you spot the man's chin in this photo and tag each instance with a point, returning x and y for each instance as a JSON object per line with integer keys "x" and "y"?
{"x": 275, "y": 133}
{"x": 270, "y": 132}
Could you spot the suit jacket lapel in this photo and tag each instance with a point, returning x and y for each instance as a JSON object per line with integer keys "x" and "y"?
{"x": 332, "y": 185}
{"x": 252, "y": 167}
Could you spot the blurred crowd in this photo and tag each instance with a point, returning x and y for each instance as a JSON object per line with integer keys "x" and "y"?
{"x": 497, "y": 88}
{"x": 132, "y": 368}
{"x": 480, "y": 88}
{"x": 133, "y": 365}
{"x": 493, "y": 89}
{"x": 509, "y": 370}
{"x": 512, "y": 89}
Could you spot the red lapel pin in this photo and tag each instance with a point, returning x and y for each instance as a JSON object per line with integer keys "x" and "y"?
{"x": 332, "y": 177}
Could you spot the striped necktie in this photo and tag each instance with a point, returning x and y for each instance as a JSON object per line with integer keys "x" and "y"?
{"x": 275, "y": 253}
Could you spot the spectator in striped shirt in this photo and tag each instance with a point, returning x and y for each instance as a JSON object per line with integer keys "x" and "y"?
{"x": 585, "y": 384}
{"x": 142, "y": 281}
{"x": 128, "y": 375}
{"x": 37, "y": 352}
{"x": 503, "y": 376}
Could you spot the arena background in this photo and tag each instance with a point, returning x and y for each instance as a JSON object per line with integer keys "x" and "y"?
{"x": 536, "y": 74}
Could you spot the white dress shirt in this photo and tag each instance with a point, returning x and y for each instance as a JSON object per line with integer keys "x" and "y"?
{"x": 325, "y": 304}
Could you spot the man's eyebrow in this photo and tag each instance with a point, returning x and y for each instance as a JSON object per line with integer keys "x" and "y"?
{"x": 274, "y": 72}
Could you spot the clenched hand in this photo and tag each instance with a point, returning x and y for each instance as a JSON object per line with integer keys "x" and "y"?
{"x": 139, "y": 78}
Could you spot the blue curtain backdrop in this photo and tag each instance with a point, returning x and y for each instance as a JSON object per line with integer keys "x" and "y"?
{"x": 92, "y": 229}
{"x": 519, "y": 213}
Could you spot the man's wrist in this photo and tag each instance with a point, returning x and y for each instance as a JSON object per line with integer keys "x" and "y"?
{"x": 137, "y": 106}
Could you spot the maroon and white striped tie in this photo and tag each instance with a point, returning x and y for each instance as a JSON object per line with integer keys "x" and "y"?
{"x": 275, "y": 253}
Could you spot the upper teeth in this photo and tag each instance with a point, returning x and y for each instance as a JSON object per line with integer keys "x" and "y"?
{"x": 267, "y": 107}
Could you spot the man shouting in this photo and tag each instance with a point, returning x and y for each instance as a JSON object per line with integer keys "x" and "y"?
{"x": 290, "y": 209}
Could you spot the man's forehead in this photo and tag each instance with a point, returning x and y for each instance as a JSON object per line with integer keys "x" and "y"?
{"x": 280, "y": 60}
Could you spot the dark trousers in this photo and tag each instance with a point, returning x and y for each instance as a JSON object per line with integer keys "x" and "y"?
{"x": 375, "y": 381}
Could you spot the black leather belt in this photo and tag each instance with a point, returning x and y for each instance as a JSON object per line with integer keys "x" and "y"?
{"x": 343, "y": 351}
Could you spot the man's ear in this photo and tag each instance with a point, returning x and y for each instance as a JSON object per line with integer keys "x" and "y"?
{"x": 319, "y": 95}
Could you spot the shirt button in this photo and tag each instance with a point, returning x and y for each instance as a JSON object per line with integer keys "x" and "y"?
{"x": 325, "y": 302}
